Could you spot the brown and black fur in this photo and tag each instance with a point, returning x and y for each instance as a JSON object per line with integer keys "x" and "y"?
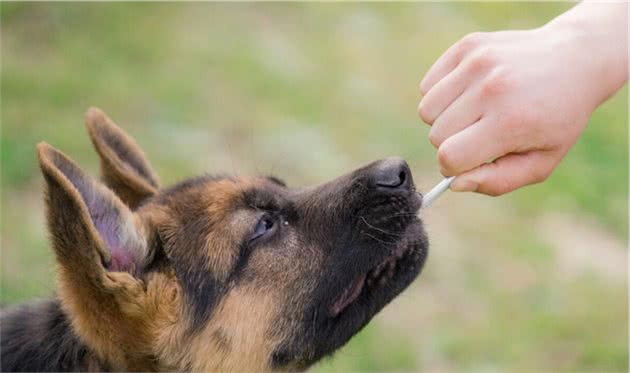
{"x": 216, "y": 273}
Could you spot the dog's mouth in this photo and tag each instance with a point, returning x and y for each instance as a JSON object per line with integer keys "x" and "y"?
{"x": 375, "y": 246}
{"x": 378, "y": 277}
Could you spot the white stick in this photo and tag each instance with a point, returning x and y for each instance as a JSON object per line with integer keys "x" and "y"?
{"x": 430, "y": 197}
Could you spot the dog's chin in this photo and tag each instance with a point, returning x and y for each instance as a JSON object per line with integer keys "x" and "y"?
{"x": 367, "y": 292}
{"x": 374, "y": 287}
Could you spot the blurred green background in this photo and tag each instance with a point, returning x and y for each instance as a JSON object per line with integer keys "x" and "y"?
{"x": 532, "y": 281}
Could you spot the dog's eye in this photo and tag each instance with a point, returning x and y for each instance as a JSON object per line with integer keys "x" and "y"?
{"x": 265, "y": 225}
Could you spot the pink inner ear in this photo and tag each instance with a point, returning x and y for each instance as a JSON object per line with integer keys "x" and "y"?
{"x": 108, "y": 222}
{"x": 107, "y": 217}
{"x": 122, "y": 261}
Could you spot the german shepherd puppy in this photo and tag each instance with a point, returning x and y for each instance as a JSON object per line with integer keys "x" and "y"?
{"x": 216, "y": 273}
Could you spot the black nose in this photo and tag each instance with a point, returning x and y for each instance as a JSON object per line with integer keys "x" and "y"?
{"x": 392, "y": 173}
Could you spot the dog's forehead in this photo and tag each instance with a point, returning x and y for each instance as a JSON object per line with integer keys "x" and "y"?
{"x": 266, "y": 195}
{"x": 220, "y": 192}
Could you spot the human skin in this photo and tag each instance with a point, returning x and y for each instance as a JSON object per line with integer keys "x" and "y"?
{"x": 505, "y": 107}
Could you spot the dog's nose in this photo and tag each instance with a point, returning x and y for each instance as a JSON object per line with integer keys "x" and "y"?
{"x": 392, "y": 173}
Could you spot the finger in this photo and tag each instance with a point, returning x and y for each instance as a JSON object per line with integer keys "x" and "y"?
{"x": 507, "y": 173}
{"x": 444, "y": 65}
{"x": 445, "y": 92}
{"x": 463, "y": 112}
{"x": 448, "y": 61}
{"x": 479, "y": 143}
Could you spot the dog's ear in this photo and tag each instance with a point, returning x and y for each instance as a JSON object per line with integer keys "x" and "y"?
{"x": 93, "y": 232}
{"x": 124, "y": 167}
{"x": 101, "y": 251}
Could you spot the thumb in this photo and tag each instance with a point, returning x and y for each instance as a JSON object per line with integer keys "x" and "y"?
{"x": 506, "y": 174}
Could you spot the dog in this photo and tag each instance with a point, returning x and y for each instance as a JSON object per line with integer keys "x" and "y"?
{"x": 216, "y": 273}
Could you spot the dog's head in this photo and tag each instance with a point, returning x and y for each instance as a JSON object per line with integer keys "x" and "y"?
{"x": 223, "y": 273}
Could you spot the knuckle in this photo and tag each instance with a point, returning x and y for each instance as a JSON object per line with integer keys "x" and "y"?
{"x": 466, "y": 44}
{"x": 434, "y": 138}
{"x": 488, "y": 89}
{"x": 445, "y": 158}
{"x": 482, "y": 59}
{"x": 471, "y": 40}
{"x": 422, "y": 88}
{"x": 424, "y": 112}
{"x": 497, "y": 83}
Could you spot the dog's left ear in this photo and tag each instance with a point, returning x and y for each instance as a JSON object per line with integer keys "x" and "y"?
{"x": 101, "y": 251}
{"x": 124, "y": 167}
{"x": 93, "y": 232}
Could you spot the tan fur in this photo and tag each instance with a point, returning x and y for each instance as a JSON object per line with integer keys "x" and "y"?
{"x": 167, "y": 326}
{"x": 245, "y": 318}
{"x": 220, "y": 241}
{"x": 228, "y": 226}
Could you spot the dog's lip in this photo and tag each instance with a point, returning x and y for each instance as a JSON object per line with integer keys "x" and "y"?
{"x": 348, "y": 295}
{"x": 382, "y": 272}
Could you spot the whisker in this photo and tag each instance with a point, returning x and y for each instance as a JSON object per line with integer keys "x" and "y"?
{"x": 377, "y": 239}
{"x": 403, "y": 214}
{"x": 379, "y": 229}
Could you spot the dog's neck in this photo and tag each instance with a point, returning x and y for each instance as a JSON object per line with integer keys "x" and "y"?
{"x": 38, "y": 337}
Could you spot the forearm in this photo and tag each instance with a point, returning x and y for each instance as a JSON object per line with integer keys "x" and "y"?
{"x": 602, "y": 28}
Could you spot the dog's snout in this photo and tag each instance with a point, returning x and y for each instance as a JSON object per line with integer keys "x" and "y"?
{"x": 392, "y": 173}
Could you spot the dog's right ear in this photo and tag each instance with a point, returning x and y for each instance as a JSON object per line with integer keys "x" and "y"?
{"x": 124, "y": 167}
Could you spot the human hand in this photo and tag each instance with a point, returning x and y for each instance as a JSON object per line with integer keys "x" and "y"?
{"x": 505, "y": 107}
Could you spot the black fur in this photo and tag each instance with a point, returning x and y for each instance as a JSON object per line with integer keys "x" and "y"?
{"x": 37, "y": 337}
{"x": 358, "y": 225}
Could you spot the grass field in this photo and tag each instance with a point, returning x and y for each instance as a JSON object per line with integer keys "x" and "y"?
{"x": 533, "y": 281}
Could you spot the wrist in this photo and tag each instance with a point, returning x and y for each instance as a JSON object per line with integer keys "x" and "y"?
{"x": 597, "y": 32}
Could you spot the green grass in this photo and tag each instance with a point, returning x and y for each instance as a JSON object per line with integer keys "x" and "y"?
{"x": 373, "y": 350}
{"x": 309, "y": 91}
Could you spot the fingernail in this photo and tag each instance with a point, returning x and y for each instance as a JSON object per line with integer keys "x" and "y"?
{"x": 464, "y": 185}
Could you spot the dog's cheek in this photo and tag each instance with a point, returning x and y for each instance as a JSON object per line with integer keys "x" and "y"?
{"x": 241, "y": 335}
{"x": 290, "y": 267}
{"x": 298, "y": 320}
{"x": 265, "y": 310}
